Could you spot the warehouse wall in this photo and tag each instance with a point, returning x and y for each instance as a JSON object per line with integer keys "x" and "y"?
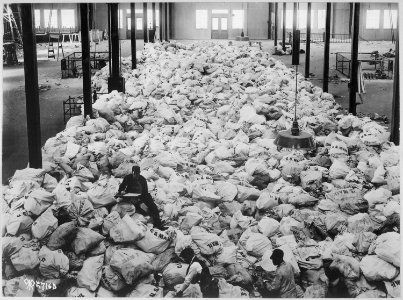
{"x": 101, "y": 16}
{"x": 340, "y": 16}
{"x": 376, "y": 34}
{"x": 184, "y": 20}
{"x": 58, "y": 7}
{"x": 257, "y": 18}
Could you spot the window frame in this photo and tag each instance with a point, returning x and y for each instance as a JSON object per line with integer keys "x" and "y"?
{"x": 321, "y": 20}
{"x": 302, "y": 25}
{"x": 220, "y": 11}
{"x": 54, "y": 17}
{"x": 289, "y": 19}
{"x": 234, "y": 18}
{"x": 74, "y": 17}
{"x": 367, "y": 23}
{"x": 120, "y": 18}
{"x": 204, "y": 22}
{"x": 386, "y": 15}
{"x": 37, "y": 18}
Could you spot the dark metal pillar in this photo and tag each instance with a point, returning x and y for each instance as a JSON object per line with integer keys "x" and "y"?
{"x": 333, "y": 19}
{"x": 154, "y": 15}
{"x": 308, "y": 41}
{"x": 31, "y": 87}
{"x": 145, "y": 21}
{"x": 354, "y": 59}
{"x": 284, "y": 22}
{"x": 170, "y": 5}
{"x": 115, "y": 81}
{"x": 85, "y": 57}
{"x": 90, "y": 16}
{"x": 395, "y": 124}
{"x": 133, "y": 34}
{"x": 154, "y": 22}
{"x": 327, "y": 48}
{"x": 166, "y": 22}
{"x": 270, "y": 21}
{"x": 275, "y": 23}
{"x": 295, "y": 37}
{"x": 161, "y": 18}
{"x": 350, "y": 19}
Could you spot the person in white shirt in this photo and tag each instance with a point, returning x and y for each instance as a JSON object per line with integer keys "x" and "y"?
{"x": 198, "y": 272}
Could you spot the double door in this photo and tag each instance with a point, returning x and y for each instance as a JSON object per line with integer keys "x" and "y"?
{"x": 219, "y": 27}
{"x": 139, "y": 27}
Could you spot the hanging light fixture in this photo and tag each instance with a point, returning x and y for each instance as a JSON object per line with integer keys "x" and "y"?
{"x": 295, "y": 138}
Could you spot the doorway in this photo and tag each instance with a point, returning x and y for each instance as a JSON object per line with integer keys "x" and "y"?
{"x": 219, "y": 27}
{"x": 139, "y": 27}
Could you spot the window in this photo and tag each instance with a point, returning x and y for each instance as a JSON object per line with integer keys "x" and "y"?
{"x": 219, "y": 11}
{"x": 136, "y": 11}
{"x": 52, "y": 17}
{"x": 37, "y": 18}
{"x": 321, "y": 19}
{"x": 129, "y": 23}
{"x": 150, "y": 18}
{"x": 224, "y": 24}
{"x": 139, "y": 24}
{"x": 120, "y": 19}
{"x": 68, "y": 18}
{"x": 389, "y": 19}
{"x": 237, "y": 19}
{"x": 312, "y": 18}
{"x": 288, "y": 18}
{"x": 201, "y": 19}
{"x": 214, "y": 23}
{"x": 372, "y": 21}
{"x": 302, "y": 17}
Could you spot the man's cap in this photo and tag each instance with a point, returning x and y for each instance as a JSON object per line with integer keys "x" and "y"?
{"x": 187, "y": 252}
{"x": 277, "y": 253}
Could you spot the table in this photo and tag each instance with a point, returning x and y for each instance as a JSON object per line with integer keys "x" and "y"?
{"x": 242, "y": 38}
{"x": 73, "y": 37}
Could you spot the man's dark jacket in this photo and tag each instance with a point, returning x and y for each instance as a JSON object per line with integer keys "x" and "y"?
{"x": 131, "y": 185}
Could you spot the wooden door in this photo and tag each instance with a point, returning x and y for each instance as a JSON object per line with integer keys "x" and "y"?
{"x": 139, "y": 27}
{"x": 219, "y": 27}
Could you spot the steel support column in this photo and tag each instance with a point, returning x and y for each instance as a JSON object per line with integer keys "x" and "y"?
{"x": 31, "y": 87}
{"x": 161, "y": 19}
{"x": 145, "y": 21}
{"x": 350, "y": 19}
{"x": 170, "y": 21}
{"x": 275, "y": 23}
{"x": 395, "y": 124}
{"x": 308, "y": 41}
{"x": 354, "y": 59}
{"x": 115, "y": 81}
{"x": 327, "y": 48}
{"x": 154, "y": 21}
{"x": 295, "y": 37}
{"x": 133, "y": 35}
{"x": 284, "y": 23}
{"x": 85, "y": 57}
{"x": 270, "y": 21}
{"x": 166, "y": 22}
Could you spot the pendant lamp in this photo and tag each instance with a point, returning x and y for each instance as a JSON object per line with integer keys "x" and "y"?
{"x": 295, "y": 138}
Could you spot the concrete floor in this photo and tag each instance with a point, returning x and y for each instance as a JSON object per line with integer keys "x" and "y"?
{"x": 14, "y": 143}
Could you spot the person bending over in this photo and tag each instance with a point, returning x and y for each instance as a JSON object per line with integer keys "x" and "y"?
{"x": 137, "y": 184}
{"x": 198, "y": 272}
